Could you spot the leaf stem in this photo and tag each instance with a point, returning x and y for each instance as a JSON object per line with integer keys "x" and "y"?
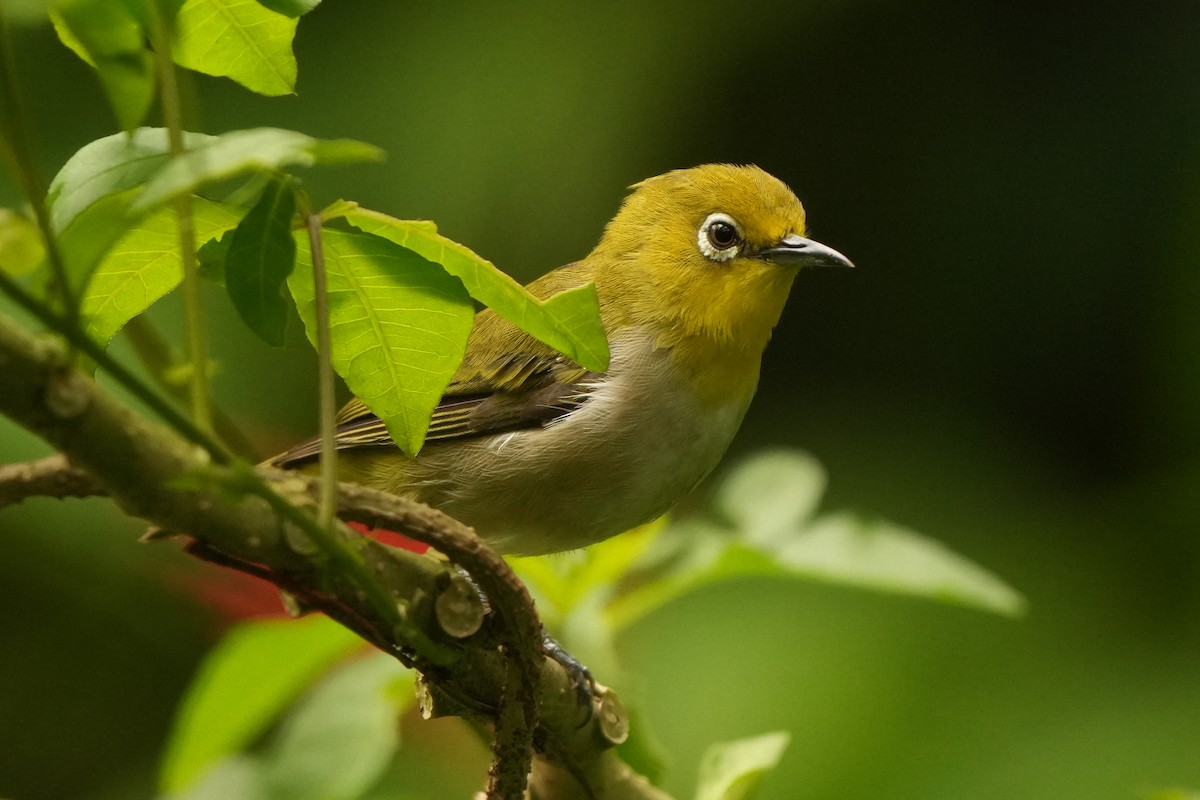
{"x": 325, "y": 380}
{"x": 158, "y": 358}
{"x": 18, "y": 153}
{"x": 193, "y": 312}
{"x": 343, "y": 559}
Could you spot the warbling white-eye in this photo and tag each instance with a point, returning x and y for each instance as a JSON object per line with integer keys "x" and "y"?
{"x": 540, "y": 455}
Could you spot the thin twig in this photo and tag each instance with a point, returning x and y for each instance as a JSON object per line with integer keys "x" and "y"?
{"x": 325, "y": 381}
{"x": 68, "y": 325}
{"x": 20, "y": 155}
{"x": 52, "y": 476}
{"x": 333, "y": 547}
{"x": 517, "y": 616}
{"x": 146, "y": 468}
{"x": 193, "y": 312}
{"x": 457, "y": 542}
{"x": 157, "y": 357}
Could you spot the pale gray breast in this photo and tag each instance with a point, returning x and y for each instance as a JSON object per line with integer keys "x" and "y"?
{"x": 637, "y": 445}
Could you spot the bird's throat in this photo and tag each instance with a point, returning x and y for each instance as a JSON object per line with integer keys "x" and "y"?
{"x": 720, "y": 373}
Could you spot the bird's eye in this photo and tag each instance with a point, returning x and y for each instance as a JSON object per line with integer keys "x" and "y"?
{"x": 722, "y": 235}
{"x": 719, "y": 237}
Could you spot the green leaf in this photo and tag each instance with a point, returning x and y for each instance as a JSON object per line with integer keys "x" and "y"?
{"x": 689, "y": 556}
{"x": 255, "y": 671}
{"x": 238, "y": 152}
{"x": 93, "y": 233}
{"x": 27, "y": 12}
{"x": 764, "y": 527}
{"x": 260, "y": 257}
{"x": 733, "y": 770}
{"x": 643, "y": 751}
{"x": 237, "y": 39}
{"x": 110, "y": 39}
{"x": 144, "y": 10}
{"x": 772, "y": 494}
{"x": 107, "y": 166}
{"x": 69, "y": 39}
{"x": 145, "y": 264}
{"x": 399, "y": 326}
{"x": 563, "y": 581}
{"x": 211, "y": 258}
{"x": 290, "y": 8}
{"x": 235, "y": 778}
{"x": 21, "y": 247}
{"x": 1172, "y": 794}
{"x": 340, "y": 739}
{"x": 877, "y": 555}
{"x": 569, "y": 321}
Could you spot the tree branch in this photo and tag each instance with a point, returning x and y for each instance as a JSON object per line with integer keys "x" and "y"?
{"x": 52, "y": 476}
{"x": 493, "y": 670}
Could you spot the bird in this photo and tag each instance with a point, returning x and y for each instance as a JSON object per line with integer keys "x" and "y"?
{"x": 540, "y": 455}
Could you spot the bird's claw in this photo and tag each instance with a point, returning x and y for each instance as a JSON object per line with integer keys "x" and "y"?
{"x": 581, "y": 677}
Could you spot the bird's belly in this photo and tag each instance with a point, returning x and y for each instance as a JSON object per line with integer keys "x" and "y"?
{"x": 640, "y": 443}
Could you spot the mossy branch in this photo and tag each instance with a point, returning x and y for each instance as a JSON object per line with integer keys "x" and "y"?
{"x": 490, "y": 673}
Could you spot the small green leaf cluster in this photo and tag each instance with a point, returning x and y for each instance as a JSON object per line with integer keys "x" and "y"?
{"x": 302, "y": 710}
{"x": 763, "y": 521}
{"x": 325, "y": 724}
{"x": 129, "y": 212}
{"x": 247, "y": 41}
{"x": 400, "y": 293}
{"x": 277, "y": 711}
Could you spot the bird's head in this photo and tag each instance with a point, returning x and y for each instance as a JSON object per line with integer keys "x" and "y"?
{"x": 708, "y": 252}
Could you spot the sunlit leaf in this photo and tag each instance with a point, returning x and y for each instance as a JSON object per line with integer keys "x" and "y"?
{"x": 109, "y": 38}
{"x": 92, "y": 233}
{"x": 109, "y": 165}
{"x": 340, "y": 739}
{"x": 734, "y": 770}
{"x": 21, "y": 246}
{"x": 145, "y": 264}
{"x": 238, "y": 152}
{"x": 237, "y": 39}
{"x": 260, "y": 257}
{"x": 68, "y": 38}
{"x": 291, "y": 8}
{"x": 771, "y": 494}
{"x": 878, "y": 555}
{"x": 765, "y": 527}
{"x": 235, "y": 778}
{"x": 587, "y": 637}
{"x": 564, "y": 580}
{"x": 399, "y": 326}
{"x": 243, "y": 685}
{"x": 569, "y": 321}
{"x": 643, "y": 751}
{"x": 703, "y": 554}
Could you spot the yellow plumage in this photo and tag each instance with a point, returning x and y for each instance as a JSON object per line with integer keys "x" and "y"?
{"x": 538, "y": 454}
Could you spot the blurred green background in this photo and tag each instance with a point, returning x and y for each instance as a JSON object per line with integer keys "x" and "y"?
{"x": 1014, "y": 368}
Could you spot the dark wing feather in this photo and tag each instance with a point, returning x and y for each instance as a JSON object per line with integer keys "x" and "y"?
{"x": 530, "y": 387}
{"x": 527, "y": 391}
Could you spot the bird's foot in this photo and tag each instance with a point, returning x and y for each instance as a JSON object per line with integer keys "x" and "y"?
{"x": 581, "y": 677}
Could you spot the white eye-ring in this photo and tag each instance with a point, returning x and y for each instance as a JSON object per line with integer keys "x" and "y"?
{"x": 719, "y": 237}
